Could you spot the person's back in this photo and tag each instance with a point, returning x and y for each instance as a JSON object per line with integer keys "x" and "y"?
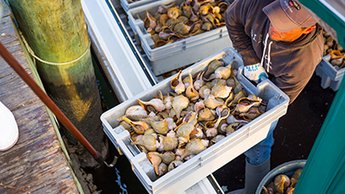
{"x": 291, "y": 64}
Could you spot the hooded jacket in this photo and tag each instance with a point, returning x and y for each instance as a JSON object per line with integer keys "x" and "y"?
{"x": 290, "y": 65}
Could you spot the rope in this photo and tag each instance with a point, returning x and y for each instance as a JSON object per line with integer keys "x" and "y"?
{"x": 32, "y": 53}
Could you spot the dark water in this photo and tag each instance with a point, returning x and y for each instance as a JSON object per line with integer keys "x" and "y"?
{"x": 121, "y": 178}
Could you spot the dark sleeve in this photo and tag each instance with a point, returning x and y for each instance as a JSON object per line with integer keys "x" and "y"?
{"x": 235, "y": 18}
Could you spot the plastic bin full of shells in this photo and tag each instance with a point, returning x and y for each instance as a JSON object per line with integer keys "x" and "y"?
{"x": 191, "y": 124}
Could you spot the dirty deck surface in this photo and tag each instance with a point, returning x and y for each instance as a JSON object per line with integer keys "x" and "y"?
{"x": 36, "y": 164}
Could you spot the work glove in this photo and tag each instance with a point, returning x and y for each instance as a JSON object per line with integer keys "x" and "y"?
{"x": 255, "y": 72}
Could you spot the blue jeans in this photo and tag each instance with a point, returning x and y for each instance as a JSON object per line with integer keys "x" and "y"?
{"x": 261, "y": 151}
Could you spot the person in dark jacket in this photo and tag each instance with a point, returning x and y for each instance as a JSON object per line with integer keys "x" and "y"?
{"x": 277, "y": 39}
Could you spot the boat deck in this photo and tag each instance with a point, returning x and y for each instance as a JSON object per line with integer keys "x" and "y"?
{"x": 37, "y": 163}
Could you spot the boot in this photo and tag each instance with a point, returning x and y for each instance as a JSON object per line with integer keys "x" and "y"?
{"x": 8, "y": 128}
{"x": 253, "y": 176}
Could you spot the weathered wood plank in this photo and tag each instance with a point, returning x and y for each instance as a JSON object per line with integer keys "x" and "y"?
{"x": 36, "y": 164}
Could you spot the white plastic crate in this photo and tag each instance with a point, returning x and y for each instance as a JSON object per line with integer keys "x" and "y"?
{"x": 330, "y": 76}
{"x": 214, "y": 157}
{"x": 178, "y": 54}
{"x": 126, "y": 5}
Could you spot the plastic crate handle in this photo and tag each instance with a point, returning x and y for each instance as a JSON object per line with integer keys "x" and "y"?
{"x": 126, "y": 148}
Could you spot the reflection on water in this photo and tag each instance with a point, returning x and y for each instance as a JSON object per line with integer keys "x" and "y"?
{"x": 122, "y": 186}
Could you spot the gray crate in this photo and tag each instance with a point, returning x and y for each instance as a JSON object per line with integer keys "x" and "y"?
{"x": 178, "y": 54}
{"x": 330, "y": 76}
{"x": 127, "y": 6}
{"x": 214, "y": 157}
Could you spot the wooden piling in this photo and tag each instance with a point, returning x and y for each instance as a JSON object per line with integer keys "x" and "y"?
{"x": 36, "y": 163}
{"x": 56, "y": 32}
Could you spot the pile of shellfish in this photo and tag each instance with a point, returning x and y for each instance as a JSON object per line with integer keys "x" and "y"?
{"x": 199, "y": 111}
{"x": 333, "y": 52}
{"x": 282, "y": 184}
{"x": 173, "y": 22}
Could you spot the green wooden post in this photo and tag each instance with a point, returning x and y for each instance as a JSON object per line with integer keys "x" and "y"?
{"x": 57, "y": 34}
